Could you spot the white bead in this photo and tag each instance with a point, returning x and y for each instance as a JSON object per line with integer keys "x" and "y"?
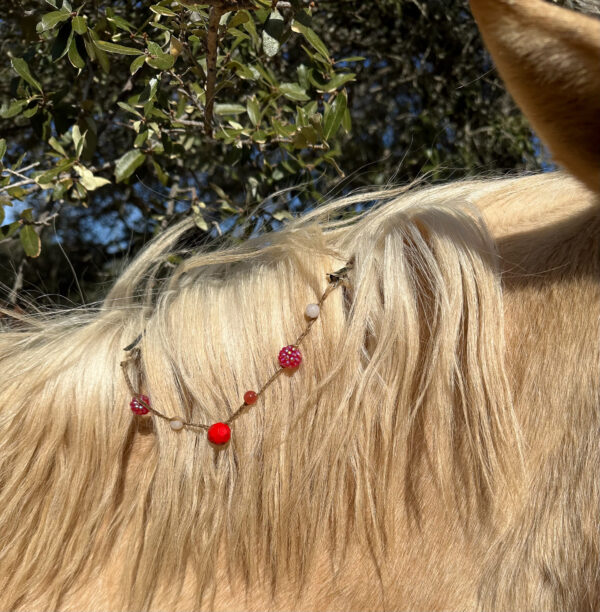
{"x": 176, "y": 424}
{"x": 312, "y": 311}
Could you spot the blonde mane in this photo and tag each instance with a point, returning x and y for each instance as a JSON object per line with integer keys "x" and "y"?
{"x": 413, "y": 438}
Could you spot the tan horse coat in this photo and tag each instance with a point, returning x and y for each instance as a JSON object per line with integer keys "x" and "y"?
{"x": 438, "y": 449}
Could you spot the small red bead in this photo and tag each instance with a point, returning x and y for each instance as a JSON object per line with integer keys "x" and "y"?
{"x": 290, "y": 357}
{"x": 250, "y": 397}
{"x": 219, "y": 433}
{"x": 137, "y": 406}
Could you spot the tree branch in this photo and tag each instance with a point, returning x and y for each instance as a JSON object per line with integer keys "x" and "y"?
{"x": 26, "y": 179}
{"x": 19, "y": 184}
{"x": 211, "y": 64}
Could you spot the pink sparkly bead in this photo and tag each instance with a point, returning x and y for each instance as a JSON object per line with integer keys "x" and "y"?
{"x": 290, "y": 357}
{"x": 136, "y": 404}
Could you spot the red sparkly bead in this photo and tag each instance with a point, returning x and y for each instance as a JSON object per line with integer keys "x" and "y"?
{"x": 137, "y": 406}
{"x": 290, "y": 356}
{"x": 250, "y": 397}
{"x": 219, "y": 433}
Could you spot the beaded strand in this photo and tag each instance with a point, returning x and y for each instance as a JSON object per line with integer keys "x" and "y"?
{"x": 289, "y": 358}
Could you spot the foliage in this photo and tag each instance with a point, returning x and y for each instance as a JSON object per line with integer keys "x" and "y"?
{"x": 127, "y": 107}
{"x": 119, "y": 117}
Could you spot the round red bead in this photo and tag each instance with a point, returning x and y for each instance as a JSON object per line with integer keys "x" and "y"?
{"x": 137, "y": 406}
{"x": 219, "y": 433}
{"x": 250, "y": 397}
{"x": 290, "y": 357}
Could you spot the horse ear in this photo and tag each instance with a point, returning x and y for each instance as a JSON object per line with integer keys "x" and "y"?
{"x": 549, "y": 58}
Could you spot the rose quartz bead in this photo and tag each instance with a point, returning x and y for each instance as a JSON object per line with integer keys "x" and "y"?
{"x": 312, "y": 311}
{"x": 176, "y": 424}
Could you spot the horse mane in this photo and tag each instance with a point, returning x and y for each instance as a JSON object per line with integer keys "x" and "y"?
{"x": 402, "y": 410}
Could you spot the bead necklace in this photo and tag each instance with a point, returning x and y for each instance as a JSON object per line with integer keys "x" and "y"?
{"x": 289, "y": 358}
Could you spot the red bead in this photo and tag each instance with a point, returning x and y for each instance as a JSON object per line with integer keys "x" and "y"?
{"x": 250, "y": 397}
{"x": 290, "y": 356}
{"x": 219, "y": 433}
{"x": 137, "y": 404}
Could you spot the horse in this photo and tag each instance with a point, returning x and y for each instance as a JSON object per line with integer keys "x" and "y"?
{"x": 436, "y": 448}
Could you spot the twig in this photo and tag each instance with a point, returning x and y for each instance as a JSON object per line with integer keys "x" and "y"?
{"x": 26, "y": 179}
{"x": 211, "y": 65}
{"x": 45, "y": 218}
{"x": 19, "y": 184}
{"x": 189, "y": 122}
{"x": 17, "y": 285}
{"x": 25, "y": 168}
{"x": 170, "y": 206}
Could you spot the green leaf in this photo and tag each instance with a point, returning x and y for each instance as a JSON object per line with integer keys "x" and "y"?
{"x": 137, "y": 63}
{"x": 110, "y": 47}
{"x": 79, "y": 25}
{"x": 159, "y": 59}
{"x": 303, "y": 76}
{"x": 88, "y": 180}
{"x": 354, "y": 58}
{"x": 51, "y": 20}
{"x": 17, "y": 192}
{"x": 229, "y": 109}
{"x": 334, "y": 115}
{"x": 293, "y": 91}
{"x": 141, "y": 139}
{"x": 78, "y": 140}
{"x": 1, "y": 213}
{"x": 10, "y": 229}
{"x": 80, "y": 193}
{"x": 282, "y": 129}
{"x": 250, "y": 27}
{"x": 312, "y": 38}
{"x": 239, "y": 18}
{"x": 162, "y": 177}
{"x": 31, "y": 242}
{"x": 2, "y": 148}
{"x": 74, "y": 57}
{"x": 270, "y": 45}
{"x": 22, "y": 69}
{"x": 121, "y": 23}
{"x": 62, "y": 42}
{"x": 347, "y": 121}
{"x": 129, "y": 108}
{"x": 280, "y": 215}
{"x": 163, "y": 10}
{"x": 164, "y": 61}
{"x": 335, "y": 83}
{"x": 199, "y": 219}
{"x": 149, "y": 91}
{"x": 253, "y": 111}
{"x": 127, "y": 164}
{"x": 31, "y": 111}
{"x": 45, "y": 178}
{"x": 57, "y": 146}
{"x": 274, "y": 33}
{"x": 154, "y": 48}
{"x": 13, "y": 109}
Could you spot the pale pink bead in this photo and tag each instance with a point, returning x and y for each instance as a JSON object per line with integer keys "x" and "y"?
{"x": 312, "y": 311}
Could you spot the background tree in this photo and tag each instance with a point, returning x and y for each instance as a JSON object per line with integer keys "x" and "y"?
{"x": 119, "y": 117}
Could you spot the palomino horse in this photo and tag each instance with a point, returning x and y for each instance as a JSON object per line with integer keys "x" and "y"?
{"x": 438, "y": 447}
